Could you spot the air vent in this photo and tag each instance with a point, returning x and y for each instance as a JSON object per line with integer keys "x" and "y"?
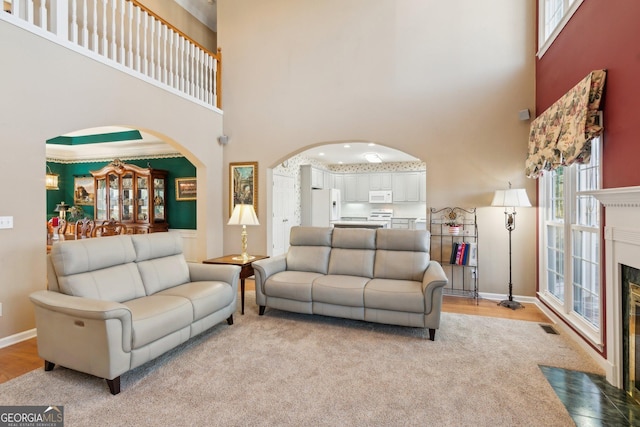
{"x": 549, "y": 329}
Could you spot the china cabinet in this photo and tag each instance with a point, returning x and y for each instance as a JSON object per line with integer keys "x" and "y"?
{"x": 132, "y": 195}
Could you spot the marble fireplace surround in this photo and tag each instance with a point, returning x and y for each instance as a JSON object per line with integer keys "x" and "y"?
{"x": 622, "y": 247}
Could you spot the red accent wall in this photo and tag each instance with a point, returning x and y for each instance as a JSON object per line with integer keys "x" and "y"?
{"x": 602, "y": 34}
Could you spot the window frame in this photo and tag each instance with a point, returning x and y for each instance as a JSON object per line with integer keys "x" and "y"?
{"x": 565, "y": 308}
{"x": 545, "y": 41}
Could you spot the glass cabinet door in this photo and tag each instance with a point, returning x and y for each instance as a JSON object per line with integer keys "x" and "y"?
{"x": 114, "y": 197}
{"x": 101, "y": 199}
{"x": 142, "y": 214}
{"x": 127, "y": 197}
{"x": 158, "y": 199}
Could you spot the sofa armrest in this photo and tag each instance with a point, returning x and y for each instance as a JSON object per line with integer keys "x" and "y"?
{"x": 433, "y": 281}
{"x": 264, "y": 269}
{"x": 85, "y": 309}
{"x": 215, "y": 272}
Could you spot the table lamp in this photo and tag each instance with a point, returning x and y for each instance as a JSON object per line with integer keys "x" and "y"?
{"x": 511, "y": 198}
{"x": 62, "y": 209}
{"x": 243, "y": 215}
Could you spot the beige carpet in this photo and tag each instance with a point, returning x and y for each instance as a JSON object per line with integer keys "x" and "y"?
{"x": 289, "y": 369}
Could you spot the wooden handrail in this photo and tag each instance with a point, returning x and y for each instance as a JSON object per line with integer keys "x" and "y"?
{"x": 219, "y": 80}
{"x": 150, "y": 12}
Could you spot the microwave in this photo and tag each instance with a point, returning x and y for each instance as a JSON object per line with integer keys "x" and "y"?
{"x": 381, "y": 196}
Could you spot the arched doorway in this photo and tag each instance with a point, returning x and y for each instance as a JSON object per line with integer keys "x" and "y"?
{"x": 353, "y": 169}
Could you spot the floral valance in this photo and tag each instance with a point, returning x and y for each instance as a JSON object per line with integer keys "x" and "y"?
{"x": 562, "y": 134}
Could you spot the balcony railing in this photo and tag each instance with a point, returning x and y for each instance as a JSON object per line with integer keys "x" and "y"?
{"x": 125, "y": 34}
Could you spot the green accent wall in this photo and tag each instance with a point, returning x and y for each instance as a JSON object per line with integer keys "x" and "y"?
{"x": 130, "y": 135}
{"x": 181, "y": 214}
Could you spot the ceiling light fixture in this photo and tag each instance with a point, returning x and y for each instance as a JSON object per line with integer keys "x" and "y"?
{"x": 371, "y": 144}
{"x": 373, "y": 158}
{"x": 346, "y": 146}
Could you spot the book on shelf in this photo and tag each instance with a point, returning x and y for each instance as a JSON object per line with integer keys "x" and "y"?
{"x": 464, "y": 253}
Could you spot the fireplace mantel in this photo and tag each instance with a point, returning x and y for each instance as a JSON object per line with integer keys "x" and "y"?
{"x": 625, "y": 197}
{"x": 622, "y": 247}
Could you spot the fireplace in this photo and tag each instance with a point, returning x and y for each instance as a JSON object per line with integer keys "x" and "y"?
{"x": 622, "y": 275}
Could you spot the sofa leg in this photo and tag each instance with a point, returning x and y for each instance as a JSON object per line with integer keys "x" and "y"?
{"x": 432, "y": 334}
{"x": 48, "y": 366}
{"x": 114, "y": 385}
{"x": 230, "y": 320}
{"x": 262, "y": 307}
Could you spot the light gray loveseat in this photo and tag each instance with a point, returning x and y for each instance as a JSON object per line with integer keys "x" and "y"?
{"x": 383, "y": 276}
{"x": 114, "y": 303}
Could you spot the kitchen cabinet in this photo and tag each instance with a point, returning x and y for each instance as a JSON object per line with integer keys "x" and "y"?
{"x": 400, "y": 223}
{"x": 380, "y": 181}
{"x": 317, "y": 178}
{"x": 356, "y": 187}
{"x": 131, "y": 195}
{"x": 406, "y": 186}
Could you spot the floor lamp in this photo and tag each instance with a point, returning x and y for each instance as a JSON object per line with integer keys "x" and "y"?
{"x": 243, "y": 215}
{"x": 510, "y": 199}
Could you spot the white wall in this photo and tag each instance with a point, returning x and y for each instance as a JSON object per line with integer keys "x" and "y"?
{"x": 440, "y": 80}
{"x": 49, "y": 90}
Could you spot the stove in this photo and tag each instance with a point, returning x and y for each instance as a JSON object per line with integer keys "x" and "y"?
{"x": 382, "y": 216}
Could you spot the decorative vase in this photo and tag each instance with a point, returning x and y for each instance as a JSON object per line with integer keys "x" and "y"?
{"x": 454, "y": 230}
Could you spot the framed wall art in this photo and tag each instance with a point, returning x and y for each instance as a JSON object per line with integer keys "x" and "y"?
{"x": 83, "y": 191}
{"x": 186, "y": 189}
{"x": 243, "y": 181}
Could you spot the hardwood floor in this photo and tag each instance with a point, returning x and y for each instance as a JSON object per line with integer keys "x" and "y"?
{"x": 18, "y": 359}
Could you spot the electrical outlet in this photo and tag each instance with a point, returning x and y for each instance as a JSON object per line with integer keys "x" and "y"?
{"x": 473, "y": 274}
{"x": 6, "y": 222}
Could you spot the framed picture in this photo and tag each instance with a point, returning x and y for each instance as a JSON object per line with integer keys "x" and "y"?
{"x": 83, "y": 191}
{"x": 243, "y": 182}
{"x": 186, "y": 189}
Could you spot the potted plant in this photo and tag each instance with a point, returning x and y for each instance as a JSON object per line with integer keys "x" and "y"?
{"x": 74, "y": 214}
{"x": 454, "y": 222}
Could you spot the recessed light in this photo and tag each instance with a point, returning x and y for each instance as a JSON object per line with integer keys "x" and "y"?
{"x": 347, "y": 146}
{"x": 371, "y": 144}
{"x": 320, "y": 154}
{"x": 340, "y": 162}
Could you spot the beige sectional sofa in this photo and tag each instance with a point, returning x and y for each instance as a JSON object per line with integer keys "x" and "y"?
{"x": 383, "y": 276}
{"x": 114, "y": 303}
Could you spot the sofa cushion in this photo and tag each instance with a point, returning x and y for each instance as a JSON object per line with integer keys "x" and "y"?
{"x": 339, "y": 290}
{"x": 159, "y": 274}
{"x": 156, "y": 316}
{"x": 79, "y": 256}
{"x": 394, "y": 295}
{"x": 295, "y": 285}
{"x": 401, "y": 254}
{"x": 352, "y": 262}
{"x": 205, "y": 297}
{"x": 402, "y": 240}
{"x": 156, "y": 245}
{"x": 354, "y": 238}
{"x": 310, "y": 249}
{"x": 118, "y": 284}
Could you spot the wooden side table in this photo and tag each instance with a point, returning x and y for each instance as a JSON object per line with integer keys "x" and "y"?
{"x": 246, "y": 268}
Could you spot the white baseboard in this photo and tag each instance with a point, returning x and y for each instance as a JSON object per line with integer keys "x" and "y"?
{"x": 501, "y": 297}
{"x": 19, "y": 337}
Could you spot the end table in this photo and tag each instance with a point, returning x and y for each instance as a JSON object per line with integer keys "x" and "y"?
{"x": 246, "y": 268}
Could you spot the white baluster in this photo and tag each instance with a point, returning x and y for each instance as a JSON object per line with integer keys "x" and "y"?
{"x": 59, "y": 18}
{"x": 152, "y": 40}
{"x": 85, "y": 25}
{"x": 123, "y": 58}
{"x": 192, "y": 69}
{"x": 74, "y": 21}
{"x": 165, "y": 62}
{"x": 137, "y": 29}
{"x": 211, "y": 80}
{"x": 94, "y": 33}
{"x": 16, "y": 8}
{"x": 130, "y": 24}
{"x": 183, "y": 67}
{"x": 145, "y": 28}
{"x": 30, "y": 14}
{"x": 43, "y": 15}
{"x": 114, "y": 48}
{"x": 203, "y": 75}
{"x": 105, "y": 42}
{"x": 171, "y": 56}
{"x": 158, "y": 43}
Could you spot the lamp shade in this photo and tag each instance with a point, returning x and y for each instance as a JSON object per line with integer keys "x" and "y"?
{"x": 51, "y": 180}
{"x": 513, "y": 197}
{"x": 61, "y": 207}
{"x": 243, "y": 215}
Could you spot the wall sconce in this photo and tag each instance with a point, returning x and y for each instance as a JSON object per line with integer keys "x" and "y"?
{"x": 51, "y": 180}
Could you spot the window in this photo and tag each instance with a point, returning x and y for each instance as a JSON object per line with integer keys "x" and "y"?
{"x": 570, "y": 249}
{"x": 553, "y": 16}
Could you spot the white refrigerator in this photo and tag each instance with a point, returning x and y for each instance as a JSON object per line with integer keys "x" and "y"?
{"x": 325, "y": 207}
